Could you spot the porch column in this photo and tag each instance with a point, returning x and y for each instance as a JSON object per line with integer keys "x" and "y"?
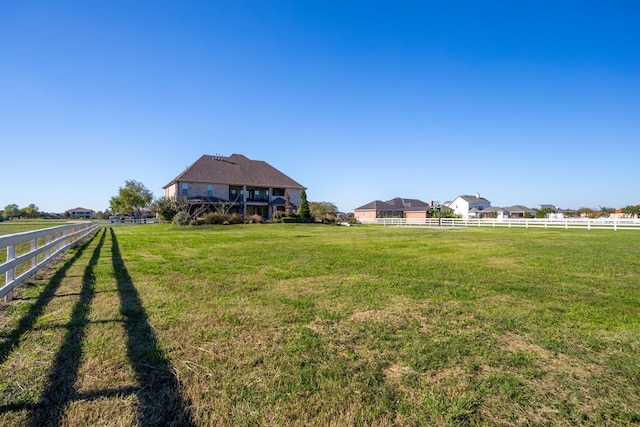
{"x": 244, "y": 201}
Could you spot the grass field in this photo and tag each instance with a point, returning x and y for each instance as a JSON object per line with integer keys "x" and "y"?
{"x": 19, "y": 226}
{"x": 291, "y": 324}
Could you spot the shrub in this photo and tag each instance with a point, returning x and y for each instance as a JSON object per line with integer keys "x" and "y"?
{"x": 181, "y": 218}
{"x": 254, "y": 219}
{"x": 215, "y": 218}
{"x": 235, "y": 219}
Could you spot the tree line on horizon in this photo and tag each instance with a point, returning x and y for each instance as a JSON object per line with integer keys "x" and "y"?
{"x": 135, "y": 197}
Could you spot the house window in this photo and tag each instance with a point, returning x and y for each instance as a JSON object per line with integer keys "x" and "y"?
{"x": 278, "y": 192}
{"x": 185, "y": 188}
{"x": 235, "y": 193}
{"x": 209, "y": 190}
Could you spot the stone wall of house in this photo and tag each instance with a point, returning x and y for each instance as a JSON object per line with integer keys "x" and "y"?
{"x": 170, "y": 192}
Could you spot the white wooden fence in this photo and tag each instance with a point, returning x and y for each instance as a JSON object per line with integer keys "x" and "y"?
{"x": 567, "y": 223}
{"x": 28, "y": 252}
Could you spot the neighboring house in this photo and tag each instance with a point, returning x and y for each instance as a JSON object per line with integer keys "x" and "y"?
{"x": 80, "y": 213}
{"x": 519, "y": 211}
{"x": 236, "y": 183}
{"x": 463, "y": 205}
{"x": 377, "y": 209}
{"x": 394, "y": 208}
{"x": 552, "y": 211}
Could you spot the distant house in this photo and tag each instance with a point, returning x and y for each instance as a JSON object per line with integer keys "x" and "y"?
{"x": 377, "y": 209}
{"x": 519, "y": 211}
{"x": 80, "y": 213}
{"x": 395, "y": 208}
{"x": 244, "y": 186}
{"x": 463, "y": 205}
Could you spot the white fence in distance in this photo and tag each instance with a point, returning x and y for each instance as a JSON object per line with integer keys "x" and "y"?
{"x": 567, "y": 223}
{"x": 32, "y": 250}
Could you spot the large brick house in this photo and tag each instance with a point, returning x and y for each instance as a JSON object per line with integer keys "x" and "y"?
{"x": 244, "y": 186}
{"x": 80, "y": 213}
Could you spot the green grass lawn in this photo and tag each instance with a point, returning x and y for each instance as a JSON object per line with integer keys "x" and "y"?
{"x": 19, "y": 226}
{"x": 291, "y": 324}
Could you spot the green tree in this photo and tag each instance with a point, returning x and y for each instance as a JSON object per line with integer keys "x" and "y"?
{"x": 323, "y": 210}
{"x": 304, "y": 213}
{"x": 168, "y": 207}
{"x": 606, "y": 212}
{"x": 629, "y": 210}
{"x": 11, "y": 211}
{"x": 543, "y": 213}
{"x": 31, "y": 211}
{"x": 133, "y": 197}
{"x": 586, "y": 212}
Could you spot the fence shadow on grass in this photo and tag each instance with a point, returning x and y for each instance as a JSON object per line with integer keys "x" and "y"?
{"x": 28, "y": 321}
{"x": 159, "y": 392}
{"x": 60, "y": 388}
{"x": 161, "y": 401}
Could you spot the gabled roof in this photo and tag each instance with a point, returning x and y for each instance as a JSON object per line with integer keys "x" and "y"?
{"x": 80, "y": 210}
{"x": 402, "y": 203}
{"x": 474, "y": 199}
{"x": 519, "y": 208}
{"x": 377, "y": 205}
{"x": 235, "y": 170}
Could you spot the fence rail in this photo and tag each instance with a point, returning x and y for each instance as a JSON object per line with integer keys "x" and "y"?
{"x": 586, "y": 223}
{"x": 28, "y": 252}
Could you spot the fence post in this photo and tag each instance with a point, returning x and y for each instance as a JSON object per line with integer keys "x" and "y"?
{"x": 9, "y": 275}
{"x": 48, "y": 251}
{"x": 34, "y": 246}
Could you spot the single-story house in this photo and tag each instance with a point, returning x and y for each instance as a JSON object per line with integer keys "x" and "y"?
{"x": 398, "y": 207}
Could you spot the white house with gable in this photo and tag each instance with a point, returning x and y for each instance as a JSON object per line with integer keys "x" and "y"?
{"x": 462, "y": 205}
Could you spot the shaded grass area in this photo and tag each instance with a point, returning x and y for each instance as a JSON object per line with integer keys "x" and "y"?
{"x": 289, "y": 324}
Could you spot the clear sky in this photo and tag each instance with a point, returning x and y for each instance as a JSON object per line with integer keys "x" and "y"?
{"x": 525, "y": 102}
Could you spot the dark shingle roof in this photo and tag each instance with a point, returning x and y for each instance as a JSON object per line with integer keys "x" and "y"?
{"x": 235, "y": 170}
{"x": 378, "y": 206}
{"x": 474, "y": 199}
{"x": 407, "y": 203}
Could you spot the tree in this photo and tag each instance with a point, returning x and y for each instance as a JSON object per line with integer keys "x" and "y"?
{"x": 586, "y": 212}
{"x": 544, "y": 213}
{"x": 323, "y": 210}
{"x": 304, "y": 213}
{"x": 30, "y": 211}
{"x": 168, "y": 207}
{"x": 606, "y": 212}
{"x": 133, "y": 197}
{"x": 633, "y": 211}
{"x": 11, "y": 211}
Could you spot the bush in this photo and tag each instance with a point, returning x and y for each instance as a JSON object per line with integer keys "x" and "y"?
{"x": 181, "y": 218}
{"x": 235, "y": 219}
{"x": 254, "y": 219}
{"x": 215, "y": 218}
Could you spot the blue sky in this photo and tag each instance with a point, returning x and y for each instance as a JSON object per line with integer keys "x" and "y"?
{"x": 523, "y": 102}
